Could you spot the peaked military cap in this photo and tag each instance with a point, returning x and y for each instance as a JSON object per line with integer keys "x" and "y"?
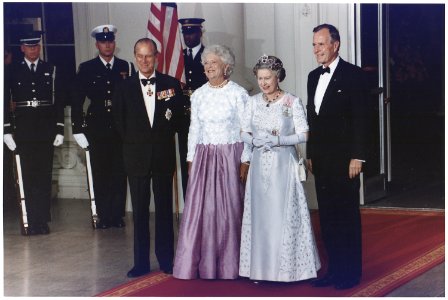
{"x": 31, "y": 38}
{"x": 191, "y": 25}
{"x": 104, "y": 33}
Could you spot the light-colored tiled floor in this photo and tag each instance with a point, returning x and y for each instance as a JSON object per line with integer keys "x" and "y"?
{"x": 74, "y": 260}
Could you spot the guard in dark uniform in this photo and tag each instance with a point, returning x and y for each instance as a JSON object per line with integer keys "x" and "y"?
{"x": 34, "y": 125}
{"x": 96, "y": 80}
{"x": 195, "y": 77}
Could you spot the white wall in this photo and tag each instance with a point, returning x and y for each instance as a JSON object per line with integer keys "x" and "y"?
{"x": 250, "y": 29}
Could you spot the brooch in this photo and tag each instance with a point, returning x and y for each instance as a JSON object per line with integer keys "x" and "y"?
{"x": 168, "y": 114}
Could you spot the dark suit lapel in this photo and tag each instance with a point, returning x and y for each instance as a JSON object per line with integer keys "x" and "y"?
{"x": 332, "y": 85}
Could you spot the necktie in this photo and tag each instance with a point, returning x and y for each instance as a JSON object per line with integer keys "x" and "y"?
{"x": 108, "y": 66}
{"x": 151, "y": 81}
{"x": 190, "y": 53}
{"x": 32, "y": 68}
{"x": 325, "y": 70}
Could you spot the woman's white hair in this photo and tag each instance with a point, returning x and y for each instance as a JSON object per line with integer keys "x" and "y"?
{"x": 224, "y": 52}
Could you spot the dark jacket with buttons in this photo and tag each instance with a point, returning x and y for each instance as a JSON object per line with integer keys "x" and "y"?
{"x": 95, "y": 82}
{"x": 24, "y": 116}
{"x": 194, "y": 70}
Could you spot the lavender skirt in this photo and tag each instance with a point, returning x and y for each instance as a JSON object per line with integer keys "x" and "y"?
{"x": 209, "y": 238}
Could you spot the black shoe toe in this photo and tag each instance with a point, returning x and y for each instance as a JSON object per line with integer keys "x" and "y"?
{"x": 136, "y": 272}
{"x": 119, "y": 223}
{"x": 44, "y": 229}
{"x": 323, "y": 282}
{"x": 102, "y": 224}
{"x": 346, "y": 284}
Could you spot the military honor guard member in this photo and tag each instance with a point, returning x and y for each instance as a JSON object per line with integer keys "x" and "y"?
{"x": 195, "y": 77}
{"x": 34, "y": 125}
{"x": 96, "y": 80}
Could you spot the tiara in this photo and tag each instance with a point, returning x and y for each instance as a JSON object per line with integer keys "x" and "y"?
{"x": 272, "y": 63}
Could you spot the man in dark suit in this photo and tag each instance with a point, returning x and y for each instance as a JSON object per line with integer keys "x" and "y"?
{"x": 147, "y": 111}
{"x": 34, "y": 125}
{"x": 195, "y": 78}
{"x": 337, "y": 115}
{"x": 96, "y": 79}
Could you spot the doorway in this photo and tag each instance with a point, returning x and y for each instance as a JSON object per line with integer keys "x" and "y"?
{"x": 402, "y": 51}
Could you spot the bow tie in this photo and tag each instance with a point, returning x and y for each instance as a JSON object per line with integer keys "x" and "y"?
{"x": 325, "y": 70}
{"x": 151, "y": 81}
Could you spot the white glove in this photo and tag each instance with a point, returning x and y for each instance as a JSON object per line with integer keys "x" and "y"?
{"x": 246, "y": 137}
{"x": 59, "y": 139}
{"x": 9, "y": 141}
{"x": 273, "y": 140}
{"x": 81, "y": 139}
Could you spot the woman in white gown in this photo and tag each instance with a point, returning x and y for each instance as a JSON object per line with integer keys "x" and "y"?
{"x": 277, "y": 240}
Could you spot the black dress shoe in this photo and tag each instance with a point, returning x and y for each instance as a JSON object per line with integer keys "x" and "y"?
{"x": 327, "y": 280}
{"x": 102, "y": 224}
{"x": 32, "y": 230}
{"x": 43, "y": 228}
{"x": 168, "y": 271}
{"x": 135, "y": 272}
{"x": 119, "y": 223}
{"x": 346, "y": 284}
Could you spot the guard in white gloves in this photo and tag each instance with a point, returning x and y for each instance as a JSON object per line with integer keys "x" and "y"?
{"x": 34, "y": 125}
{"x": 96, "y": 79}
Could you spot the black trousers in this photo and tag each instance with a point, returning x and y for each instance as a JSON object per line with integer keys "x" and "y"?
{"x": 36, "y": 159}
{"x": 162, "y": 186}
{"x": 109, "y": 177}
{"x": 338, "y": 200}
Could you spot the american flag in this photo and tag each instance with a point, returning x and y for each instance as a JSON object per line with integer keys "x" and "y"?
{"x": 163, "y": 28}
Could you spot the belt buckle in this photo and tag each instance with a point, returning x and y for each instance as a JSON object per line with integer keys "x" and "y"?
{"x": 33, "y": 103}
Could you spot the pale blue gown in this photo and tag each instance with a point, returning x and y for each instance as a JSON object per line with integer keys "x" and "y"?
{"x": 277, "y": 240}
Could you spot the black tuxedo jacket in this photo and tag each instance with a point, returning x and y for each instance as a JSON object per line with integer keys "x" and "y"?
{"x": 338, "y": 132}
{"x": 148, "y": 149}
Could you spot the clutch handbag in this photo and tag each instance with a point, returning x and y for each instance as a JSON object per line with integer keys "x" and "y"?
{"x": 303, "y": 172}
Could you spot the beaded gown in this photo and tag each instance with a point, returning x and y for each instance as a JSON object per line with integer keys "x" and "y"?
{"x": 277, "y": 241}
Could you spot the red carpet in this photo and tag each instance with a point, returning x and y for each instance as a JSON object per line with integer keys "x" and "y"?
{"x": 398, "y": 245}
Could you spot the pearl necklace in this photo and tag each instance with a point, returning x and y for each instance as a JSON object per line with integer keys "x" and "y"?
{"x": 219, "y": 85}
{"x": 269, "y": 101}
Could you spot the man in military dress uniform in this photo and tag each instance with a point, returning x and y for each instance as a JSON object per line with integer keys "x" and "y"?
{"x": 195, "y": 77}
{"x": 96, "y": 80}
{"x": 34, "y": 124}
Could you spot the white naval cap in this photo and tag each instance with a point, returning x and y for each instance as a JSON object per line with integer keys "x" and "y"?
{"x": 104, "y": 32}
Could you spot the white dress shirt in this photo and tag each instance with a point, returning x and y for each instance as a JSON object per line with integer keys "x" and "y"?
{"x": 150, "y": 101}
{"x": 111, "y": 61}
{"x": 195, "y": 50}
{"x": 322, "y": 85}
{"x": 32, "y": 62}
